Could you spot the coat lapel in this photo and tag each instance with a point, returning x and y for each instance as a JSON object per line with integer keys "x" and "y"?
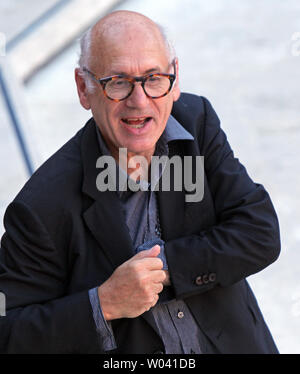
{"x": 171, "y": 204}
{"x": 104, "y": 217}
{"x": 105, "y": 221}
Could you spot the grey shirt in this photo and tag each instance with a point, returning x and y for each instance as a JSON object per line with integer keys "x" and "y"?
{"x": 178, "y": 329}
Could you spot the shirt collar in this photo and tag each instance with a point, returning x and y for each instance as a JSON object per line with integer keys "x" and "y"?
{"x": 175, "y": 131}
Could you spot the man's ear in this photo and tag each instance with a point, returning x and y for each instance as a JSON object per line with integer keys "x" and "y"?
{"x": 176, "y": 88}
{"x": 82, "y": 89}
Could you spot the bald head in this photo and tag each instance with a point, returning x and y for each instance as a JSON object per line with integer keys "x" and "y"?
{"x": 123, "y": 20}
{"x": 118, "y": 29}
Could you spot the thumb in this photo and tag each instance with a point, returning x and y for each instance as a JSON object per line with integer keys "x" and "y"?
{"x": 152, "y": 252}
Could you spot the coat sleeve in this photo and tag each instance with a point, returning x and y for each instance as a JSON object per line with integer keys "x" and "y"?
{"x": 33, "y": 276}
{"x": 245, "y": 238}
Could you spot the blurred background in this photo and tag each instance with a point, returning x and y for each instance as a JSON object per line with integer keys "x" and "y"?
{"x": 243, "y": 55}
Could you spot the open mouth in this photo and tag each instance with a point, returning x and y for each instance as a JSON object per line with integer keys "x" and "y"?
{"x": 136, "y": 123}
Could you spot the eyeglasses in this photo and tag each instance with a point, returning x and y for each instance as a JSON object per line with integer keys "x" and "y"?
{"x": 120, "y": 87}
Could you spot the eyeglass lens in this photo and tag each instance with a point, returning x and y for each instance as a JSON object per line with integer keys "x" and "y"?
{"x": 154, "y": 86}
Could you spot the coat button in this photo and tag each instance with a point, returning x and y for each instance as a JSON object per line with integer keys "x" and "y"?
{"x": 212, "y": 277}
{"x": 198, "y": 281}
{"x": 180, "y": 314}
{"x": 205, "y": 279}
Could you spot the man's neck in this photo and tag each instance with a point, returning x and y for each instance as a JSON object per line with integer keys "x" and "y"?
{"x": 132, "y": 162}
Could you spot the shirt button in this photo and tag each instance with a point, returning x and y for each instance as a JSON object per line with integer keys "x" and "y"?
{"x": 180, "y": 315}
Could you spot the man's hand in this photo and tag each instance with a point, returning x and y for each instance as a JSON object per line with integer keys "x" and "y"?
{"x": 133, "y": 287}
{"x": 167, "y": 281}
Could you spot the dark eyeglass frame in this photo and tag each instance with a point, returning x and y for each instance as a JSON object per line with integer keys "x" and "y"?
{"x": 133, "y": 80}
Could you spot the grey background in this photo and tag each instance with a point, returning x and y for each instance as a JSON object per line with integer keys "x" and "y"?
{"x": 241, "y": 55}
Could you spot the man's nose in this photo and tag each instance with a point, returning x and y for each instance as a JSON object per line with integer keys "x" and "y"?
{"x": 138, "y": 98}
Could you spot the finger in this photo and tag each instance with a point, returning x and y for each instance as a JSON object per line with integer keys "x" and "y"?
{"x": 155, "y": 300}
{"x": 158, "y": 276}
{"x": 152, "y": 252}
{"x": 167, "y": 280}
{"x": 151, "y": 264}
{"x": 158, "y": 287}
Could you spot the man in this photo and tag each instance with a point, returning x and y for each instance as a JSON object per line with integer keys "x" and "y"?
{"x": 90, "y": 270}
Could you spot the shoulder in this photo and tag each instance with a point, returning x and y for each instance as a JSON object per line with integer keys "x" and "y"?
{"x": 195, "y": 113}
{"x": 58, "y": 180}
{"x": 187, "y": 100}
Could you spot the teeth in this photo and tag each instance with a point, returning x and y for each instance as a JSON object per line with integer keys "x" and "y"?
{"x": 140, "y": 122}
{"x": 137, "y": 126}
